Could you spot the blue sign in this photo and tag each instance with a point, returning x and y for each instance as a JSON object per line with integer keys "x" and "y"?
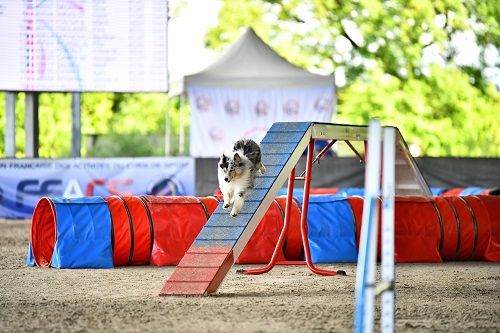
{"x": 24, "y": 181}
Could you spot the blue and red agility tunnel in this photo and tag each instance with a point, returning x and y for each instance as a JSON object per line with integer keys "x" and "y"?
{"x": 119, "y": 231}
{"x": 176, "y": 222}
{"x": 123, "y": 231}
{"x": 293, "y": 248}
{"x": 72, "y": 233}
{"x": 492, "y": 205}
{"x": 331, "y": 229}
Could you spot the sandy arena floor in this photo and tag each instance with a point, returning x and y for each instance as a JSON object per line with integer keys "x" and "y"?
{"x": 450, "y": 297}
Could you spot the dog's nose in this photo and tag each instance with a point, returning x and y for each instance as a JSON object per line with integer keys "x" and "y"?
{"x": 226, "y": 179}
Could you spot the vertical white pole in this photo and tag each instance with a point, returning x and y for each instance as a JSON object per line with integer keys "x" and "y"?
{"x": 76, "y": 124}
{"x": 387, "y": 274}
{"x": 31, "y": 124}
{"x": 167, "y": 127}
{"x": 10, "y": 124}
{"x": 181, "y": 127}
{"x": 365, "y": 274}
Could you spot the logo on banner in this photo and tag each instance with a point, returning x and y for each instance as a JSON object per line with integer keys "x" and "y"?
{"x": 323, "y": 104}
{"x": 261, "y": 108}
{"x": 110, "y": 186}
{"x": 49, "y": 187}
{"x": 216, "y": 134}
{"x": 73, "y": 189}
{"x": 291, "y": 107}
{"x": 202, "y": 103}
{"x": 165, "y": 186}
{"x": 232, "y": 107}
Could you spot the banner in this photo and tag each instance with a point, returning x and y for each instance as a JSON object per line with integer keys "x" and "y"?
{"x": 220, "y": 116}
{"x": 24, "y": 181}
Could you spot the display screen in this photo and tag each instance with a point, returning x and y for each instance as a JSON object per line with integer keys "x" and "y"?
{"x": 78, "y": 45}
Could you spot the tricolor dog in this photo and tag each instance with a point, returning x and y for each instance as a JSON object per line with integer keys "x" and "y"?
{"x": 237, "y": 172}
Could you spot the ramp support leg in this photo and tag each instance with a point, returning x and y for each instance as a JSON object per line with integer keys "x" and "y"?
{"x": 303, "y": 223}
{"x": 303, "y": 217}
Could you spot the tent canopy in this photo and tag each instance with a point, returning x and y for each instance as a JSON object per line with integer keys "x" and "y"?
{"x": 251, "y": 63}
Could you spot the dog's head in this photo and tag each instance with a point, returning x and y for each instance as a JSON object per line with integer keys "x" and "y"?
{"x": 231, "y": 167}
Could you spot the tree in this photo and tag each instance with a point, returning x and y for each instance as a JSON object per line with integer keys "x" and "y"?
{"x": 402, "y": 61}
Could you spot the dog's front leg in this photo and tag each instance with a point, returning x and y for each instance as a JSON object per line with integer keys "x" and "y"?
{"x": 239, "y": 199}
{"x": 228, "y": 196}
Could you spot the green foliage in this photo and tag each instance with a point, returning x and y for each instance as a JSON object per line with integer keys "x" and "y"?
{"x": 97, "y": 113}
{"x": 325, "y": 35}
{"x": 400, "y": 60}
{"x": 130, "y": 144}
{"x": 129, "y": 124}
{"x": 55, "y": 124}
{"x": 19, "y": 123}
{"x": 112, "y": 124}
{"x": 141, "y": 113}
{"x": 444, "y": 115}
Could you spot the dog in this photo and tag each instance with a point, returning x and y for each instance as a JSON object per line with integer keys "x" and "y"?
{"x": 236, "y": 173}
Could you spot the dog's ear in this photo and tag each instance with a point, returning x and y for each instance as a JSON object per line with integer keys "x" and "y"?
{"x": 223, "y": 158}
{"x": 237, "y": 158}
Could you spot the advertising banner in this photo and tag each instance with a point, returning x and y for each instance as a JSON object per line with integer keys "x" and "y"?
{"x": 24, "y": 181}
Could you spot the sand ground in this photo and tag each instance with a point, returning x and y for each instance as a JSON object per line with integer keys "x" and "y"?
{"x": 448, "y": 297}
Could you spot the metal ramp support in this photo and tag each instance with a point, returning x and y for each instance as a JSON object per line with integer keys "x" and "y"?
{"x": 409, "y": 179}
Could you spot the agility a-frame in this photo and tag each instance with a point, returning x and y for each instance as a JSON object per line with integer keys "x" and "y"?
{"x": 220, "y": 242}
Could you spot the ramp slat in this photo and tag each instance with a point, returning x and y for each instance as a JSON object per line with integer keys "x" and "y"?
{"x": 273, "y": 170}
{"x": 275, "y": 159}
{"x": 223, "y": 233}
{"x": 278, "y": 148}
{"x": 278, "y": 137}
{"x": 289, "y": 127}
{"x": 257, "y": 194}
{"x": 214, "y": 243}
{"x": 221, "y": 220}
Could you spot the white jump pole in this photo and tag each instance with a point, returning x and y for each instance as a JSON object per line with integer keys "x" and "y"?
{"x": 387, "y": 269}
{"x": 365, "y": 274}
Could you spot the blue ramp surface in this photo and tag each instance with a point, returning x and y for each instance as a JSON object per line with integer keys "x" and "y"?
{"x": 278, "y": 146}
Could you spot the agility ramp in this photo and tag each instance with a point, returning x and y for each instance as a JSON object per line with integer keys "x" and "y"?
{"x": 220, "y": 242}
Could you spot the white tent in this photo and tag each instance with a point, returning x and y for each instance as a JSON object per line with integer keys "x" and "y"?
{"x": 248, "y": 89}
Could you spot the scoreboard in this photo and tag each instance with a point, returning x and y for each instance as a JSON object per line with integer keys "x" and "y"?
{"x": 83, "y": 45}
